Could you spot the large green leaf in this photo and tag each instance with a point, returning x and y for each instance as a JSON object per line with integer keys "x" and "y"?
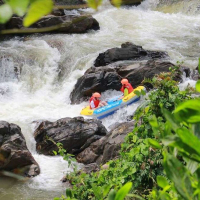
{"x": 198, "y": 86}
{"x": 111, "y": 195}
{"x": 138, "y": 93}
{"x": 178, "y": 174}
{"x": 162, "y": 181}
{"x": 189, "y": 111}
{"x": 37, "y": 10}
{"x": 154, "y": 144}
{"x": 19, "y": 6}
{"x": 106, "y": 189}
{"x": 68, "y": 193}
{"x": 116, "y": 3}
{"x": 5, "y": 13}
{"x": 121, "y": 194}
{"x": 170, "y": 118}
{"x": 183, "y": 148}
{"x": 189, "y": 139}
{"x": 192, "y": 166}
{"x": 94, "y": 3}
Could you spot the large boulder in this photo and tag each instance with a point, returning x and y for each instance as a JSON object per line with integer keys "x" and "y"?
{"x": 14, "y": 155}
{"x": 58, "y": 24}
{"x": 108, "y": 147}
{"x": 128, "y": 51}
{"x": 76, "y": 134}
{"x": 104, "y": 78}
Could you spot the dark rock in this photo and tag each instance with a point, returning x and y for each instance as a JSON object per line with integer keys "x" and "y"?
{"x": 88, "y": 169}
{"x": 76, "y": 134}
{"x": 95, "y": 79}
{"x": 115, "y": 139}
{"x": 92, "y": 153}
{"x": 108, "y": 147}
{"x": 14, "y": 22}
{"x": 195, "y": 75}
{"x": 14, "y": 155}
{"x": 104, "y": 78}
{"x": 69, "y": 2}
{"x": 58, "y": 24}
{"x": 58, "y": 12}
{"x": 128, "y": 51}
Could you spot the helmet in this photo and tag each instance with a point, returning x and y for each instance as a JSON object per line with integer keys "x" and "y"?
{"x": 124, "y": 81}
{"x": 96, "y": 94}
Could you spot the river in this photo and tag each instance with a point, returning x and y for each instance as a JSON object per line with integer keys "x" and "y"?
{"x": 50, "y": 65}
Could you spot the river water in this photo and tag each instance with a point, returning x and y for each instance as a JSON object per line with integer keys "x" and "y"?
{"x": 48, "y": 67}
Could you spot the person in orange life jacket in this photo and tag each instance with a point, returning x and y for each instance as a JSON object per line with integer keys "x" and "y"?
{"x": 126, "y": 87}
{"x": 95, "y": 101}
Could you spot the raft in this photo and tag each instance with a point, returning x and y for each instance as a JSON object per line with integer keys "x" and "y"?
{"x": 113, "y": 105}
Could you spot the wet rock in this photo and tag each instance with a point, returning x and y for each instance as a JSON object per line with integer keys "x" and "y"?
{"x": 108, "y": 147}
{"x": 128, "y": 51}
{"x": 93, "y": 167}
{"x": 14, "y": 155}
{"x": 59, "y": 24}
{"x": 69, "y": 2}
{"x": 76, "y": 134}
{"x": 115, "y": 139}
{"x": 92, "y": 153}
{"x": 58, "y": 12}
{"x": 104, "y": 78}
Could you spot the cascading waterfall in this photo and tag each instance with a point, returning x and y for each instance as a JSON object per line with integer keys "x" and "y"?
{"x": 38, "y": 73}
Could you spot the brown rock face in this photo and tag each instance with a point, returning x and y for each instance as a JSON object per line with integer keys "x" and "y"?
{"x": 14, "y": 155}
{"x": 76, "y": 134}
{"x": 108, "y": 147}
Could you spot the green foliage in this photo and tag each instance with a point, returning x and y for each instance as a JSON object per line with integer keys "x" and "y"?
{"x": 116, "y": 3}
{"x": 19, "y": 7}
{"x": 33, "y": 10}
{"x": 37, "y": 9}
{"x": 181, "y": 153}
{"x": 94, "y": 4}
{"x": 5, "y": 13}
{"x": 113, "y": 195}
{"x": 66, "y": 156}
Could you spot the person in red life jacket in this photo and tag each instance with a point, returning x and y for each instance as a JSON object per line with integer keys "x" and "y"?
{"x": 126, "y": 87}
{"x": 95, "y": 101}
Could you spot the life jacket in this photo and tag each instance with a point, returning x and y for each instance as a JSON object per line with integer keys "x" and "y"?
{"x": 129, "y": 87}
{"x": 96, "y": 102}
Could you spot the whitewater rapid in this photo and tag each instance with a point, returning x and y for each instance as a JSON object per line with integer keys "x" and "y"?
{"x": 48, "y": 67}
